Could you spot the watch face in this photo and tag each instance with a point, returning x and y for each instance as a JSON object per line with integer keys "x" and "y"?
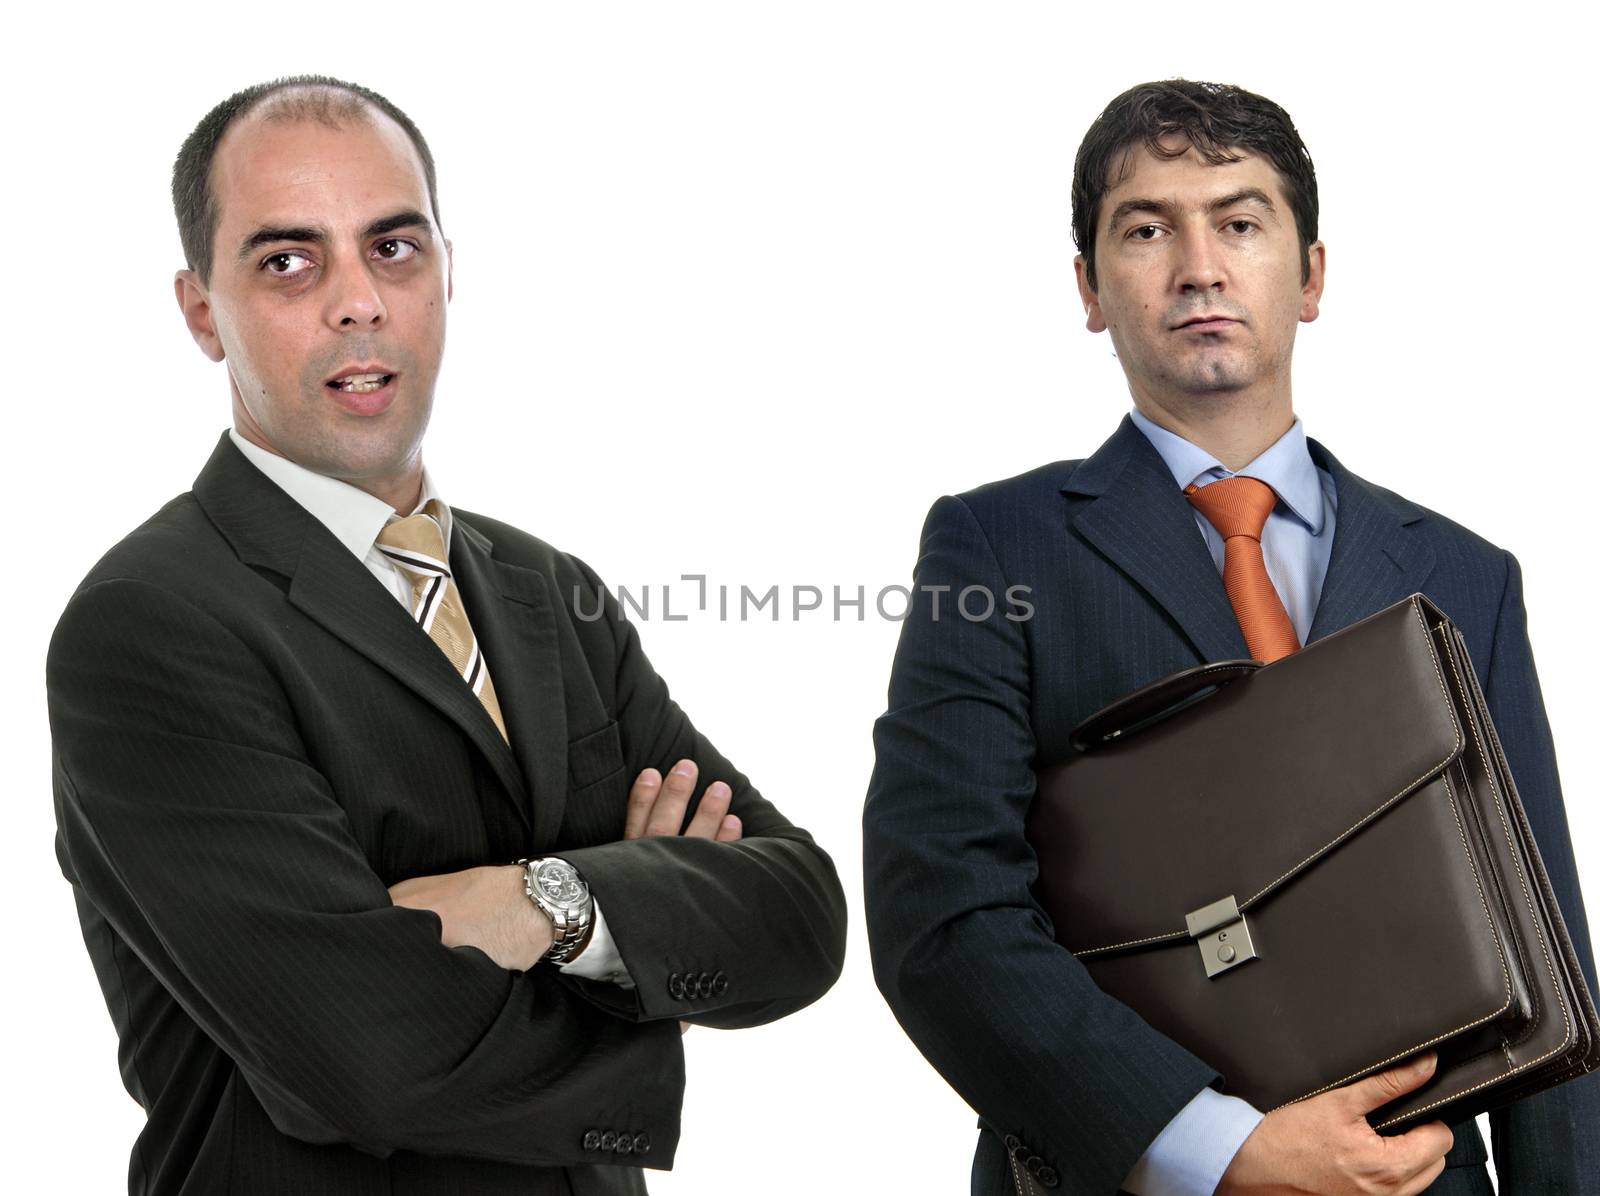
{"x": 560, "y": 883}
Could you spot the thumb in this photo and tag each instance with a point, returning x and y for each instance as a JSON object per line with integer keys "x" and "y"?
{"x": 1375, "y": 1090}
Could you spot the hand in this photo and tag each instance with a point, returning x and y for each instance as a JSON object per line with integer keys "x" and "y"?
{"x": 486, "y": 908}
{"x": 1324, "y": 1144}
{"x": 656, "y": 807}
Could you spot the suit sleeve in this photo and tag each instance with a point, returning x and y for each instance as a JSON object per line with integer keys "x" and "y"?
{"x": 1547, "y": 1142}
{"x": 190, "y": 816}
{"x": 961, "y": 952}
{"x": 718, "y": 934}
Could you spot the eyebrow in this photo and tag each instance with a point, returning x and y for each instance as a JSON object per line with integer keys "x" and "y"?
{"x": 313, "y": 235}
{"x": 1161, "y": 207}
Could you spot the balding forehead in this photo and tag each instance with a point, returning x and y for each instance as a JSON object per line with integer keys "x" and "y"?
{"x": 314, "y": 101}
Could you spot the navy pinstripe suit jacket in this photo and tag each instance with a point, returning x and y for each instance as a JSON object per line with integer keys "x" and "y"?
{"x": 253, "y": 740}
{"x": 1125, "y": 591}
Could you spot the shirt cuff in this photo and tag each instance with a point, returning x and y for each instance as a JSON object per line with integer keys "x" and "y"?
{"x": 600, "y": 959}
{"x": 1189, "y": 1156}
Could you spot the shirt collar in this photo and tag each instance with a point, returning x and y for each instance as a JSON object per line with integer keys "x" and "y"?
{"x": 353, "y": 516}
{"x": 1286, "y": 466}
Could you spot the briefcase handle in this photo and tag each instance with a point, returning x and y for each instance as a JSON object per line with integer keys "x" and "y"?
{"x": 1145, "y": 703}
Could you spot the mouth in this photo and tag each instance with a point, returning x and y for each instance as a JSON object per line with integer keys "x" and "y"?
{"x": 364, "y": 390}
{"x": 360, "y": 381}
{"x": 1205, "y": 324}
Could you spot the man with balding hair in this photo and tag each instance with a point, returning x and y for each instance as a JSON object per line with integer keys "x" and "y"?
{"x": 398, "y": 866}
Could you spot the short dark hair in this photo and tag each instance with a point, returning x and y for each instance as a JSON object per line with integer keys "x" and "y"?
{"x": 293, "y": 97}
{"x": 1215, "y": 118}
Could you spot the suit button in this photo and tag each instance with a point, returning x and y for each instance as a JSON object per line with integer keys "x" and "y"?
{"x": 703, "y": 989}
{"x": 1047, "y": 1176}
{"x": 675, "y": 986}
{"x": 691, "y": 985}
{"x": 624, "y": 1144}
{"x": 591, "y": 1140}
{"x": 1012, "y": 1142}
{"x": 719, "y": 984}
{"x": 608, "y": 1140}
{"x": 641, "y": 1143}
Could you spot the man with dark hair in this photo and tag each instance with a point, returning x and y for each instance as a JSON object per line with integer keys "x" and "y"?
{"x": 397, "y": 864}
{"x": 1195, "y": 211}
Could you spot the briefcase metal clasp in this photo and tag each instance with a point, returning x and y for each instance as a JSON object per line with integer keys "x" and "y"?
{"x": 1223, "y": 936}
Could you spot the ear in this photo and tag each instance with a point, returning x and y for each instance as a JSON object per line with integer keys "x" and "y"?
{"x": 195, "y": 303}
{"x": 449, "y": 270}
{"x": 1311, "y": 292}
{"x": 1096, "y": 321}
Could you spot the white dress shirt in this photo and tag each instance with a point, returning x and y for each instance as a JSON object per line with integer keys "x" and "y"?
{"x": 355, "y": 518}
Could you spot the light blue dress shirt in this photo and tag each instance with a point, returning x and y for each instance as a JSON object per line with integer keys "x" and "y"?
{"x": 1189, "y": 1156}
{"x": 1298, "y": 536}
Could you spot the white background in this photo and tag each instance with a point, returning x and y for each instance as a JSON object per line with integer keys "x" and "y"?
{"x": 802, "y": 268}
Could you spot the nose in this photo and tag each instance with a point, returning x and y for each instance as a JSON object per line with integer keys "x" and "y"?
{"x": 354, "y": 302}
{"x": 1199, "y": 264}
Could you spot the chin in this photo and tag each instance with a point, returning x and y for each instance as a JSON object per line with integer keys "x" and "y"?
{"x": 1213, "y": 375}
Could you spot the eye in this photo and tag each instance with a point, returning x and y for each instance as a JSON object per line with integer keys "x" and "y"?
{"x": 395, "y": 250}
{"x": 1138, "y": 233}
{"x": 272, "y": 264}
{"x": 1242, "y": 226}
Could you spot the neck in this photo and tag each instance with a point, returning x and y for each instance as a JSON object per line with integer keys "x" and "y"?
{"x": 402, "y": 494}
{"x": 401, "y": 491}
{"x": 1235, "y": 433}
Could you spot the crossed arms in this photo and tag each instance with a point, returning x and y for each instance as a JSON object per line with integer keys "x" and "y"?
{"x": 193, "y": 817}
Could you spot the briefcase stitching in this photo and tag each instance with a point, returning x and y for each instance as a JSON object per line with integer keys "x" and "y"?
{"x": 1521, "y": 875}
{"x": 1476, "y": 711}
{"x": 1523, "y": 960}
{"x": 1567, "y": 1035}
{"x": 1340, "y": 838}
{"x": 1529, "y": 966}
{"x": 1522, "y": 879}
{"x": 1545, "y": 888}
{"x": 1477, "y": 881}
{"x": 1505, "y": 974}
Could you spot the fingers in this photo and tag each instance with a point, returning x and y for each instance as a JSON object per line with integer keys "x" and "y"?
{"x": 641, "y": 799}
{"x": 666, "y": 816}
{"x": 710, "y": 813}
{"x": 1415, "y": 1152}
{"x": 657, "y": 804}
{"x": 1422, "y": 1182}
{"x": 1368, "y": 1094}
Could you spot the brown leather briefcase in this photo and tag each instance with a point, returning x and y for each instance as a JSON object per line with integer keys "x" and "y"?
{"x": 1307, "y": 871}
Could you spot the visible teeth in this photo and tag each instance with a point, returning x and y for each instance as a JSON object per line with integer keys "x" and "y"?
{"x": 362, "y": 383}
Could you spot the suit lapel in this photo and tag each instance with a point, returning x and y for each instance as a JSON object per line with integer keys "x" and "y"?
{"x": 330, "y": 586}
{"x": 1374, "y": 562}
{"x": 1141, "y": 522}
{"x": 514, "y": 619}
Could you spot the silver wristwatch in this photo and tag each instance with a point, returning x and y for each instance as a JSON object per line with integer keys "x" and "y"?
{"x": 555, "y": 887}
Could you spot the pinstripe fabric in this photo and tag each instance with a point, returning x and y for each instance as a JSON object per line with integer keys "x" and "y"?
{"x": 1123, "y": 591}
{"x": 251, "y": 742}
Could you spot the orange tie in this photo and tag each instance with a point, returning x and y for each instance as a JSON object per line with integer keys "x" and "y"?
{"x": 1238, "y": 508}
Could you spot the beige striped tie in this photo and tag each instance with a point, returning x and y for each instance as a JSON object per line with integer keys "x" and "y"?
{"x": 416, "y": 545}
